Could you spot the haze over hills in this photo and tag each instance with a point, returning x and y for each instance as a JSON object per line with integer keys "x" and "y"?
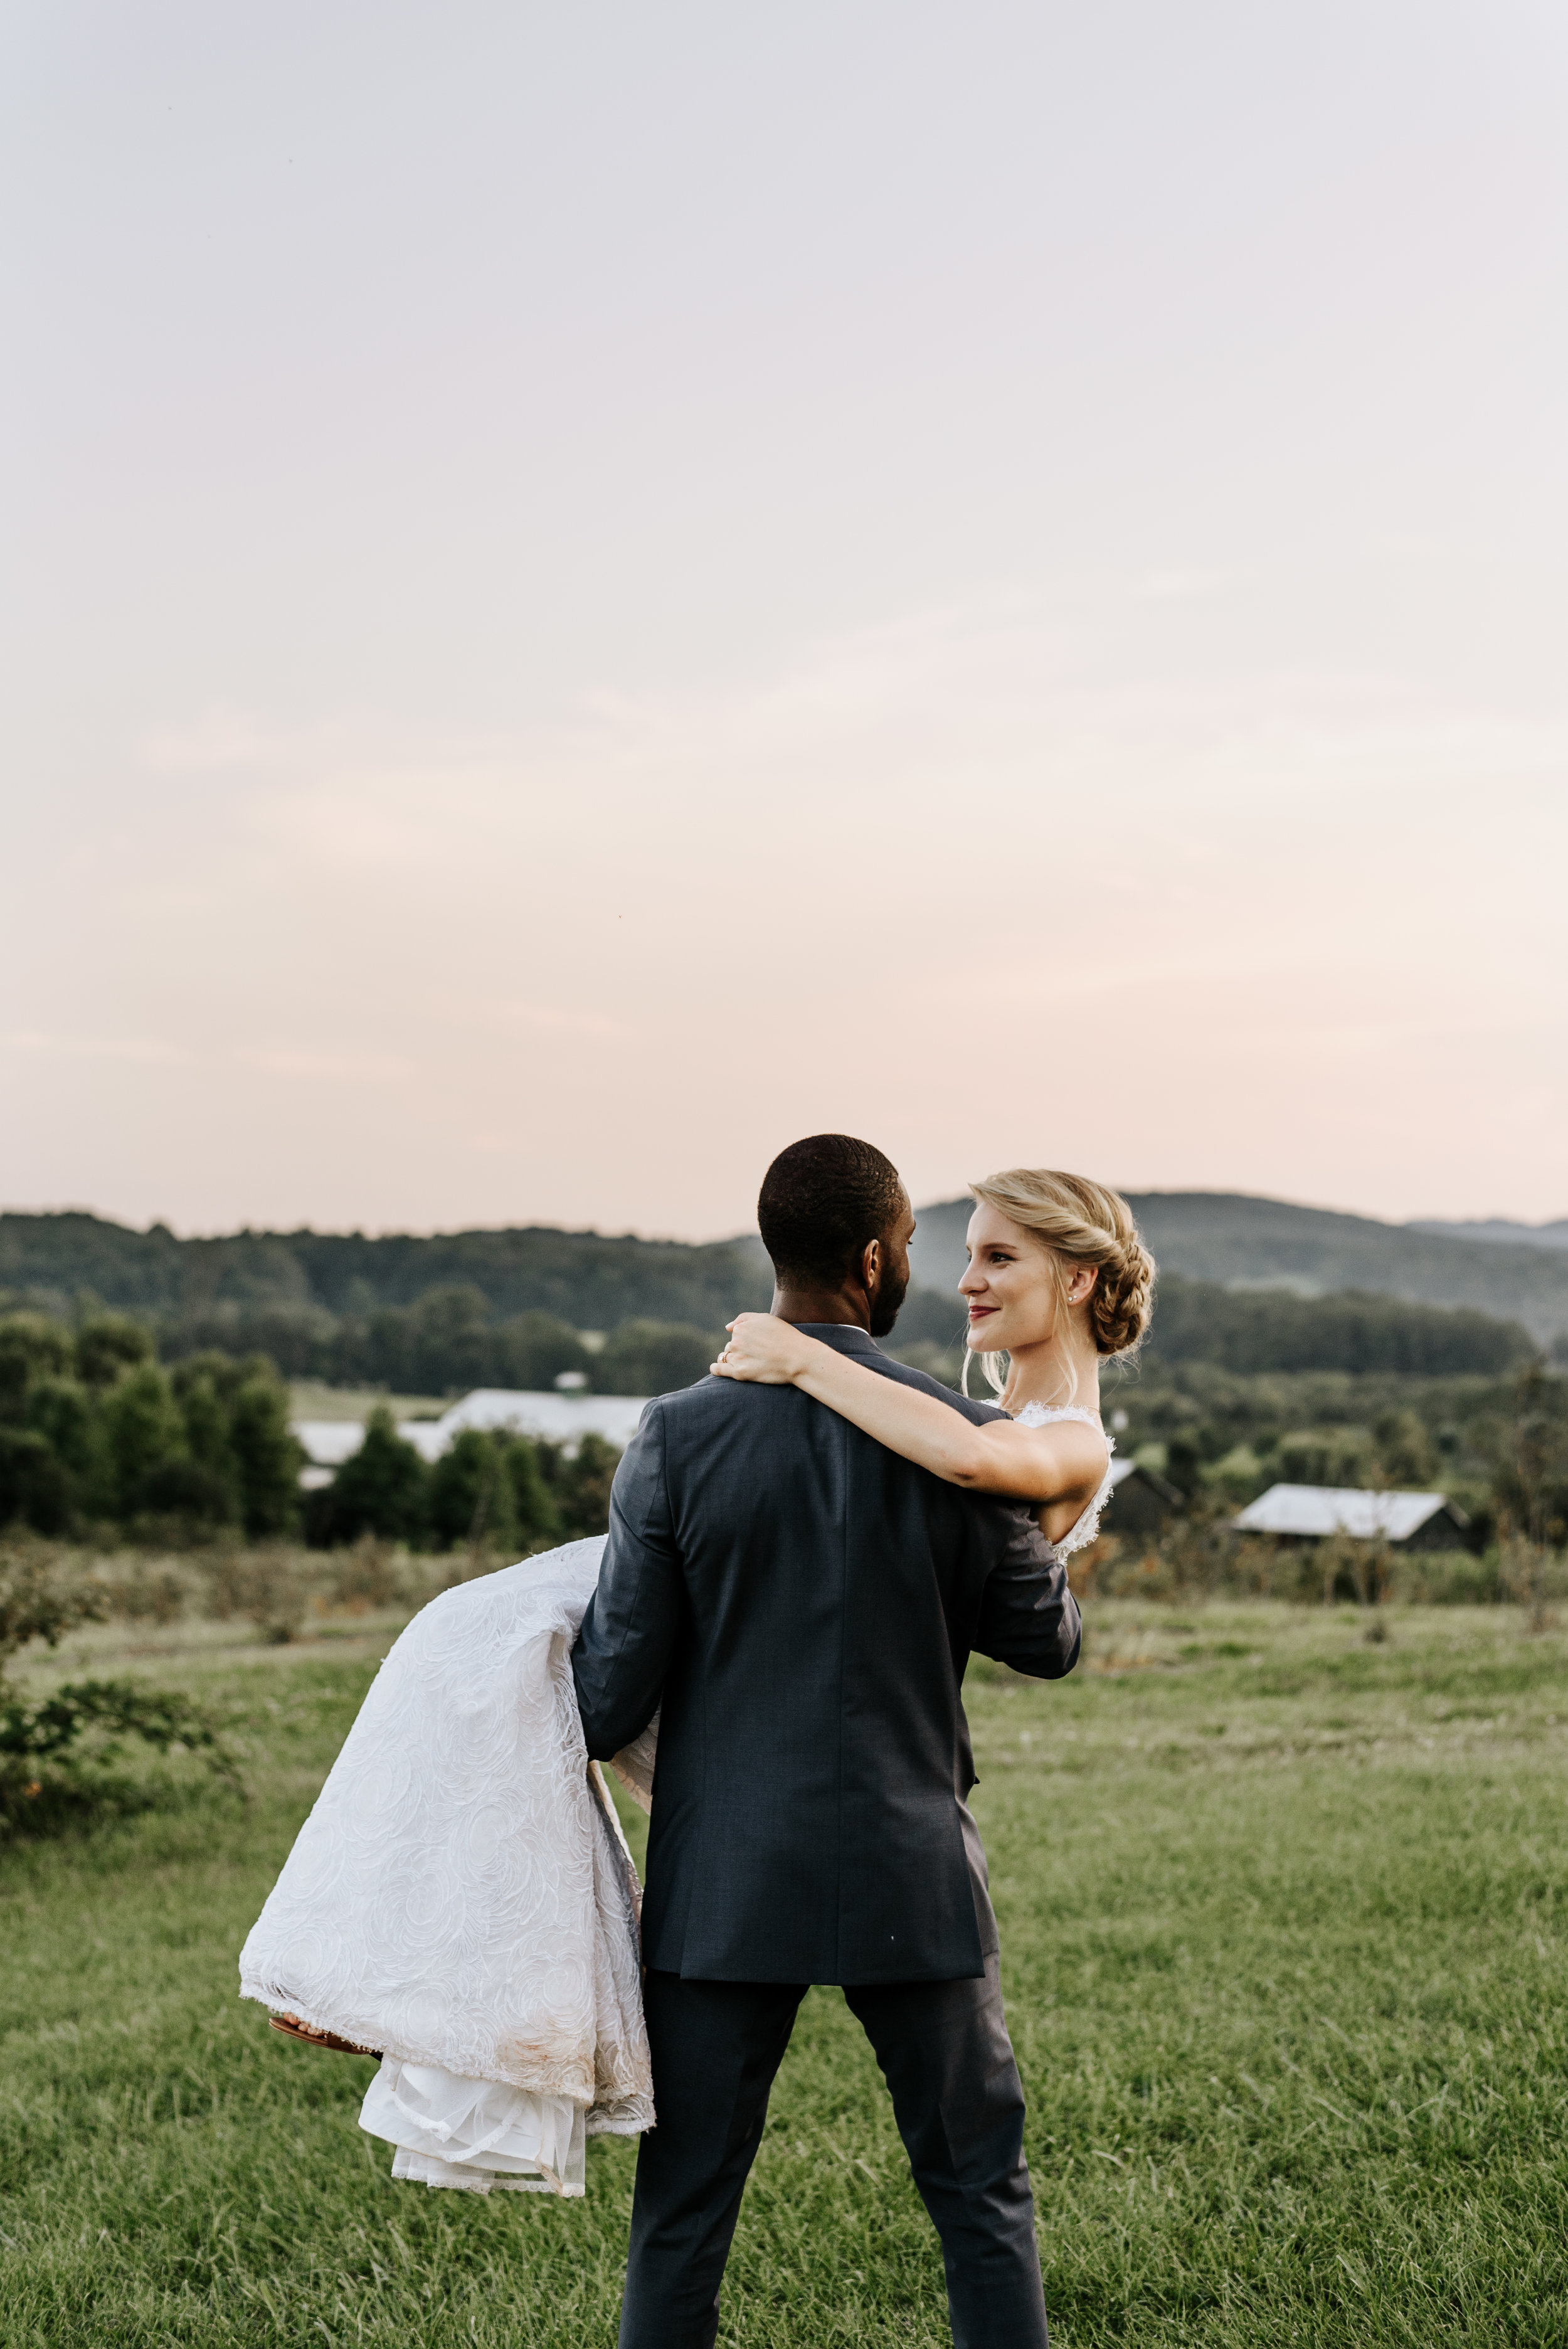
{"x": 1241, "y": 1242}
{"x": 1498, "y": 1228}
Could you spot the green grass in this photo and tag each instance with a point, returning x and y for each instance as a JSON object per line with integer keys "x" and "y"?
{"x": 309, "y": 1398}
{"x": 1283, "y": 1919}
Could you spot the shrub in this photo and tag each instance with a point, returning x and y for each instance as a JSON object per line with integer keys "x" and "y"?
{"x": 650, "y": 1358}
{"x": 34, "y": 1487}
{"x": 108, "y": 1344}
{"x": 471, "y": 1496}
{"x": 369, "y": 1575}
{"x": 55, "y": 1750}
{"x": 143, "y": 1428}
{"x": 266, "y": 1455}
{"x": 31, "y": 1347}
{"x": 382, "y": 1489}
{"x": 1323, "y": 1455}
{"x": 63, "y": 1411}
{"x": 578, "y": 1485}
{"x": 535, "y": 1514}
{"x": 264, "y": 1586}
{"x": 532, "y": 1350}
{"x": 142, "y": 1593}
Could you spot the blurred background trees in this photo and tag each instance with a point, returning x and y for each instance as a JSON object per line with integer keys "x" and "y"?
{"x": 93, "y": 1433}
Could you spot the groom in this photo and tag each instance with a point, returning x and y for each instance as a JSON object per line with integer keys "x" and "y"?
{"x": 804, "y": 1604}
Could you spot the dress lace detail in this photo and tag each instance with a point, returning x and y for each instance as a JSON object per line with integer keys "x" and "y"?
{"x": 1080, "y": 1536}
{"x": 461, "y": 1896}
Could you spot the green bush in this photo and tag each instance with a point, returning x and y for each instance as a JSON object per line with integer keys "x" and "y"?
{"x": 383, "y": 1489}
{"x": 34, "y": 1487}
{"x": 264, "y": 1586}
{"x": 30, "y": 1348}
{"x": 473, "y": 1497}
{"x": 534, "y": 1511}
{"x": 266, "y": 1453}
{"x": 142, "y": 1431}
{"x": 110, "y": 1344}
{"x": 58, "y": 1752}
{"x": 579, "y": 1484}
{"x": 92, "y": 1431}
{"x": 651, "y": 1357}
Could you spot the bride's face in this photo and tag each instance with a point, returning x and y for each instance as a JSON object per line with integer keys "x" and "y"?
{"x": 1009, "y": 1287}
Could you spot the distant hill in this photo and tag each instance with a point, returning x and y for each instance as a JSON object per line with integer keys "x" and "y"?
{"x": 1498, "y": 1228}
{"x": 1241, "y": 1242}
{"x": 1259, "y": 1330}
{"x": 587, "y": 1279}
{"x": 302, "y": 1296}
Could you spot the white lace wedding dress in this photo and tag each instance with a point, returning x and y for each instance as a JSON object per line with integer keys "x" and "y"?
{"x": 1083, "y": 1531}
{"x": 462, "y": 1901}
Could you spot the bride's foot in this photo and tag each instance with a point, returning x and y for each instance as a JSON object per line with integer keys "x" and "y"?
{"x": 292, "y": 2028}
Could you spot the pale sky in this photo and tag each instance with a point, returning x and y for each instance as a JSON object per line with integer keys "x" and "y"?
{"x": 593, "y": 589}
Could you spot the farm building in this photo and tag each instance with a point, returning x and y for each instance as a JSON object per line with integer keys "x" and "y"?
{"x": 561, "y": 1418}
{"x": 1140, "y": 1500}
{"x": 1314, "y": 1512}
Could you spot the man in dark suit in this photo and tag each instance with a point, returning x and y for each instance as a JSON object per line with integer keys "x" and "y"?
{"x": 804, "y": 1602}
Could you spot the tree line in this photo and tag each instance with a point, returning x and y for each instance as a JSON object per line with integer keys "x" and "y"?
{"x": 100, "y": 1441}
{"x": 1272, "y": 1330}
{"x": 514, "y": 1493}
{"x": 94, "y": 1432}
{"x": 446, "y": 1344}
{"x": 589, "y": 1280}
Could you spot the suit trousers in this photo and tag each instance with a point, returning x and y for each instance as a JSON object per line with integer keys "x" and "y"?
{"x": 948, "y": 2063}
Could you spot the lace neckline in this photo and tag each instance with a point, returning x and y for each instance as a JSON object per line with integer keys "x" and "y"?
{"x": 1079, "y": 1534}
{"x": 1035, "y": 1414}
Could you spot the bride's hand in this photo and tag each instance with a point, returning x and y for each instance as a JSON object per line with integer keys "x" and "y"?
{"x": 771, "y": 1352}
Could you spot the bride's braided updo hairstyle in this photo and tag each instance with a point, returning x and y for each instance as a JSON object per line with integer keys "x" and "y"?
{"x": 1080, "y": 1222}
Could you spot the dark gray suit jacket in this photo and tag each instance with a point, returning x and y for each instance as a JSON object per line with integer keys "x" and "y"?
{"x": 805, "y": 1602}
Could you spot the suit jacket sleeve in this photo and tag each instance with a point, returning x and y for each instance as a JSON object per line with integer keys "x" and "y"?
{"x": 621, "y": 1652}
{"x": 1028, "y": 1617}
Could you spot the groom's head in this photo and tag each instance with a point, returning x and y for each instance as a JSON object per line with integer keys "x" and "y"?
{"x": 837, "y": 1222}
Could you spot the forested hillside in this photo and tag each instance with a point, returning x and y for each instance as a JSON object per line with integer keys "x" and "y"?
{"x": 584, "y": 1278}
{"x": 1257, "y": 1329}
{"x": 439, "y": 1315}
{"x": 1224, "y": 1237}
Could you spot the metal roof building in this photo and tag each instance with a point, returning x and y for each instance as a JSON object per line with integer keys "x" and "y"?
{"x": 1313, "y": 1512}
{"x": 562, "y": 1418}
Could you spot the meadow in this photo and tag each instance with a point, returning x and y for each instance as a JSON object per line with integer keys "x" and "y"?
{"x": 1282, "y": 1895}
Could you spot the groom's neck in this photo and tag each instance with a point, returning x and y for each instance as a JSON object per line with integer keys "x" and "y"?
{"x": 823, "y": 1305}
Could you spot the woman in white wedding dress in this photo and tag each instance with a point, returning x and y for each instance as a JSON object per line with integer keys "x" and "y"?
{"x": 1057, "y": 1281}
{"x": 461, "y": 1902}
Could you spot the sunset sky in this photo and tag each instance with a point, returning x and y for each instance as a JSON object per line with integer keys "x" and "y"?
{"x": 593, "y": 589}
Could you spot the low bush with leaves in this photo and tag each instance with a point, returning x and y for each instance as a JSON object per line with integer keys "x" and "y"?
{"x": 62, "y": 1755}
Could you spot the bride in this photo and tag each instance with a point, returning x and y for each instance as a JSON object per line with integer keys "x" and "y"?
{"x": 461, "y": 1902}
{"x": 1057, "y": 1280}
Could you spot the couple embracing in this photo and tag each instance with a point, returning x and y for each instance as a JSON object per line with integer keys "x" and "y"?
{"x": 768, "y": 1649}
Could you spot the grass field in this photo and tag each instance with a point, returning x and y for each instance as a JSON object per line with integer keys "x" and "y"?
{"x": 1283, "y": 1914}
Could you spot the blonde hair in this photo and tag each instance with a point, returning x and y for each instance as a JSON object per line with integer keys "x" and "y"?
{"x": 1078, "y": 1223}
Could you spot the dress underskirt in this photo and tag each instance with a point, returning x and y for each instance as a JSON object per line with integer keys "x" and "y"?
{"x": 474, "y": 2134}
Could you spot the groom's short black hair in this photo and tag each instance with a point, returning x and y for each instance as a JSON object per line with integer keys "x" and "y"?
{"x": 822, "y": 1201}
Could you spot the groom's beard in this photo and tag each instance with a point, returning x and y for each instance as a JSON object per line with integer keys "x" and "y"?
{"x": 884, "y": 1312}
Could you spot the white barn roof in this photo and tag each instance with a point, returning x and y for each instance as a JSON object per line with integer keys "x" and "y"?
{"x": 1317, "y": 1510}
{"x": 562, "y": 1418}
